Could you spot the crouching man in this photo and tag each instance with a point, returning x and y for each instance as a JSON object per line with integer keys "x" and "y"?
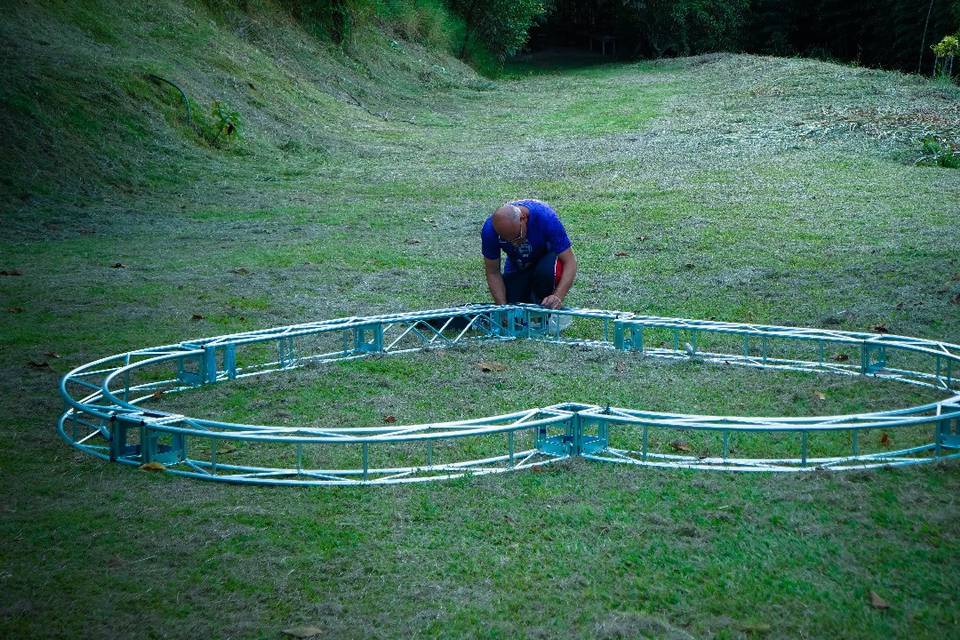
{"x": 540, "y": 266}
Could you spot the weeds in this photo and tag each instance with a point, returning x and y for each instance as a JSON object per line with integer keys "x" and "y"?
{"x": 937, "y": 153}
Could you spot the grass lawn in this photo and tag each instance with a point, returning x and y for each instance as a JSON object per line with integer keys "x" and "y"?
{"x": 732, "y": 187}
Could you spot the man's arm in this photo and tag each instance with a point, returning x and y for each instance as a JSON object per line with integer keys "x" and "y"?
{"x": 498, "y": 290}
{"x": 569, "y": 262}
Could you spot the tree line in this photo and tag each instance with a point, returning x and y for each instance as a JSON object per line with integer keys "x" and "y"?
{"x": 892, "y": 34}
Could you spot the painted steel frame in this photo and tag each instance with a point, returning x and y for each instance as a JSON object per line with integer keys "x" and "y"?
{"x": 107, "y": 412}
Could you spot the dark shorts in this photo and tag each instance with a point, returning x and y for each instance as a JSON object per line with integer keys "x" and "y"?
{"x": 533, "y": 284}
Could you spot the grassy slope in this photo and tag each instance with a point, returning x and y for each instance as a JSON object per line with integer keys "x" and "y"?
{"x": 738, "y": 187}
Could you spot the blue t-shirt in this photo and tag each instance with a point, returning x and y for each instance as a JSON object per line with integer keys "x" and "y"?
{"x": 545, "y": 233}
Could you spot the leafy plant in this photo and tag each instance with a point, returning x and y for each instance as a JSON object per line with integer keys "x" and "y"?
{"x": 221, "y": 127}
{"x": 945, "y": 51}
{"x": 938, "y": 153}
{"x": 499, "y": 26}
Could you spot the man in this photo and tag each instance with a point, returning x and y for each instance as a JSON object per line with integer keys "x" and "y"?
{"x": 540, "y": 265}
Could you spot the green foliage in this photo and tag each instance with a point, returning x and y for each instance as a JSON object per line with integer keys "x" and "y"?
{"x": 945, "y": 51}
{"x": 499, "y": 26}
{"x": 688, "y": 27}
{"x": 428, "y": 22}
{"x": 937, "y": 153}
{"x": 220, "y": 127}
{"x": 949, "y": 46}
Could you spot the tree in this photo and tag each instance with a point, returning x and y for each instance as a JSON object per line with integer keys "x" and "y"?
{"x": 684, "y": 27}
{"x": 499, "y": 26}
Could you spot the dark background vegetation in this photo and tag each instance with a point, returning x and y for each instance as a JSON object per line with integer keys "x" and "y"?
{"x": 889, "y": 34}
{"x": 876, "y": 33}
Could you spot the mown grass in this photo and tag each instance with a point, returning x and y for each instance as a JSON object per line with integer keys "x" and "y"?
{"x": 735, "y": 187}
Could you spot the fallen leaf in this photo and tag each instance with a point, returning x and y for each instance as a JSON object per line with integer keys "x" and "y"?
{"x": 389, "y": 418}
{"x": 118, "y": 265}
{"x": 16, "y": 309}
{"x": 821, "y": 395}
{"x": 153, "y": 466}
{"x": 225, "y": 449}
{"x": 488, "y": 367}
{"x": 196, "y": 316}
{"x": 303, "y": 632}
{"x": 39, "y": 364}
{"x": 11, "y": 272}
{"x": 877, "y": 602}
{"x": 241, "y": 271}
{"x": 413, "y": 241}
{"x": 621, "y": 254}
{"x": 156, "y": 395}
{"x": 885, "y": 439}
{"x": 840, "y": 357}
{"x": 680, "y": 445}
{"x": 52, "y": 354}
{"x": 880, "y": 328}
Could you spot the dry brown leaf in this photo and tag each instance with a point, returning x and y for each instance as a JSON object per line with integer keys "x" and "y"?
{"x": 156, "y": 395}
{"x": 880, "y": 328}
{"x": 303, "y": 632}
{"x": 840, "y": 357}
{"x": 877, "y": 602}
{"x": 153, "y": 466}
{"x": 680, "y": 445}
{"x": 488, "y": 367}
{"x": 821, "y": 395}
{"x": 885, "y": 439}
{"x": 196, "y": 316}
{"x": 389, "y": 418}
{"x": 118, "y": 265}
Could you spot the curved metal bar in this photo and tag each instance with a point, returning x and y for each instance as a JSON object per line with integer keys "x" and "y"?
{"x": 109, "y": 411}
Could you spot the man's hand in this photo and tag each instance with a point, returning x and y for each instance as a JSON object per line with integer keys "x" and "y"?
{"x": 552, "y": 301}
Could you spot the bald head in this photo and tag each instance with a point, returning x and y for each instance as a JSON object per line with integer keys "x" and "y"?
{"x": 508, "y": 221}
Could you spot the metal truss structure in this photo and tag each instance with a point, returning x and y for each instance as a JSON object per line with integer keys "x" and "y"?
{"x": 114, "y": 405}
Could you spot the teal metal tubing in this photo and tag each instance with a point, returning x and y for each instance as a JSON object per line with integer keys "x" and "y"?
{"x": 110, "y": 403}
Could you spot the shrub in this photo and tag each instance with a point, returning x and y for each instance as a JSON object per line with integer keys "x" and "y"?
{"x": 498, "y": 26}
{"x": 938, "y": 153}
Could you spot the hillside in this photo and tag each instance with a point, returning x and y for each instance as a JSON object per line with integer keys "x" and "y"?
{"x": 92, "y": 104}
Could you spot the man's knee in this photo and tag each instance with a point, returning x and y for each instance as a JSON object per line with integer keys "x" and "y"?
{"x": 544, "y": 275}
